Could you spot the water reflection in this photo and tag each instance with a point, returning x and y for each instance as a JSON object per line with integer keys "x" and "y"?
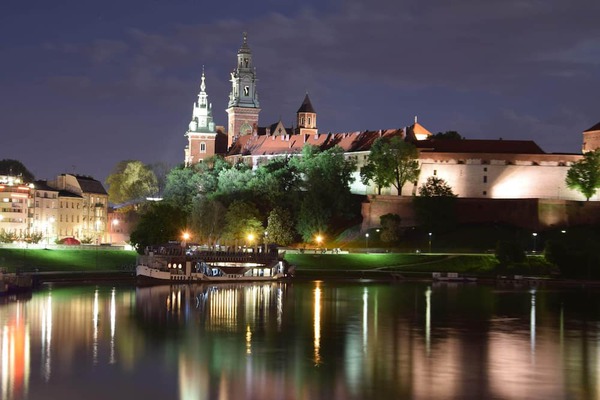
{"x": 317, "y": 340}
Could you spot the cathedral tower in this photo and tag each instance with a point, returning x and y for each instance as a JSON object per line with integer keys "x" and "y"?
{"x": 203, "y": 139}
{"x": 243, "y": 107}
{"x": 306, "y": 118}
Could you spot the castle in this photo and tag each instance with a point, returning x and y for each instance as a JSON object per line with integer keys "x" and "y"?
{"x": 481, "y": 169}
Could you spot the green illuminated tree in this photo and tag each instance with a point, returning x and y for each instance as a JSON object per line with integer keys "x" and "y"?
{"x": 280, "y": 227}
{"x": 131, "y": 180}
{"x": 241, "y": 220}
{"x": 159, "y": 223}
{"x": 584, "y": 175}
{"x": 391, "y": 162}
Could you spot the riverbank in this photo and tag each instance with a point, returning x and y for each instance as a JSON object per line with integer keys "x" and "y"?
{"x": 100, "y": 264}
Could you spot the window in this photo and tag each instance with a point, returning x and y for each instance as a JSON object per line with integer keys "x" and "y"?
{"x": 309, "y": 121}
{"x": 37, "y": 203}
{"x": 484, "y": 193}
{"x": 202, "y": 147}
{"x": 484, "y": 169}
{"x": 485, "y": 179}
{"x": 435, "y": 172}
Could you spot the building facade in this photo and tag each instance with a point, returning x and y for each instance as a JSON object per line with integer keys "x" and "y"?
{"x": 68, "y": 206}
{"x": 486, "y": 169}
{"x": 204, "y": 138}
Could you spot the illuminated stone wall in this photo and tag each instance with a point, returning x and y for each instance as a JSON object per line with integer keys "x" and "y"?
{"x": 526, "y": 213}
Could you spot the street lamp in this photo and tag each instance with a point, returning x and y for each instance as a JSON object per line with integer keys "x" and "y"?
{"x": 266, "y": 240}
{"x": 534, "y": 234}
{"x": 185, "y": 237}
{"x": 367, "y": 241}
{"x": 318, "y": 239}
{"x": 250, "y": 239}
{"x": 113, "y": 223}
{"x": 430, "y": 234}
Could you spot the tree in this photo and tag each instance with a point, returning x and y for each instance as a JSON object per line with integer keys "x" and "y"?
{"x": 434, "y": 207}
{"x": 15, "y": 168}
{"x": 161, "y": 170}
{"x": 509, "y": 252}
{"x": 584, "y": 175}
{"x": 207, "y": 218}
{"x": 242, "y": 219}
{"x": 391, "y": 162}
{"x": 183, "y": 186}
{"x": 326, "y": 200}
{"x": 448, "y": 135}
{"x": 390, "y": 228}
{"x": 280, "y": 227}
{"x": 131, "y": 180}
{"x": 160, "y": 223}
{"x": 436, "y": 187}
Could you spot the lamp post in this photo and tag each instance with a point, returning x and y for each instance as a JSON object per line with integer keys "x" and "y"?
{"x": 266, "y": 240}
{"x": 113, "y": 223}
{"x": 367, "y": 241}
{"x": 534, "y": 234}
{"x": 250, "y": 239}
{"x": 184, "y": 239}
{"x": 430, "y": 235}
{"x": 318, "y": 239}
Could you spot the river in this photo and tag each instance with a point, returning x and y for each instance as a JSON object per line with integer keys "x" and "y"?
{"x": 301, "y": 340}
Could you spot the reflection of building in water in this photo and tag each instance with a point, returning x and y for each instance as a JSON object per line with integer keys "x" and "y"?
{"x": 222, "y": 307}
{"x": 14, "y": 353}
{"x": 61, "y": 325}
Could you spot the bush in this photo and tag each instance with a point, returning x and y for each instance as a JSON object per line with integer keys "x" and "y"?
{"x": 509, "y": 252}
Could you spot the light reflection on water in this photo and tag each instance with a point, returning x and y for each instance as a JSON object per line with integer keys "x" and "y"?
{"x": 313, "y": 340}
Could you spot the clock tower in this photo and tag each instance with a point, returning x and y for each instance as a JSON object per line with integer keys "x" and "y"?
{"x": 243, "y": 107}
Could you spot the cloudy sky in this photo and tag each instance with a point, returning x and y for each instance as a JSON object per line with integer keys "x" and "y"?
{"x": 85, "y": 84}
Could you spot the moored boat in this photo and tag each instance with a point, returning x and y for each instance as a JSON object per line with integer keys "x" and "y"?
{"x": 172, "y": 265}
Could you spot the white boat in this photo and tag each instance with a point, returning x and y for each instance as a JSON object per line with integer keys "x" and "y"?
{"x": 173, "y": 266}
{"x": 452, "y": 277}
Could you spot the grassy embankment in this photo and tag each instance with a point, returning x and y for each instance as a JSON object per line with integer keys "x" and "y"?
{"x": 102, "y": 259}
{"x": 65, "y": 260}
{"x": 307, "y": 265}
{"x": 313, "y": 265}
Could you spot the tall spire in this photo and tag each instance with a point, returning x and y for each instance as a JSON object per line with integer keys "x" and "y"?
{"x": 202, "y": 85}
{"x": 243, "y": 107}
{"x": 243, "y": 79}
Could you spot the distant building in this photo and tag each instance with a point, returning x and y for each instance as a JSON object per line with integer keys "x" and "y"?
{"x": 204, "y": 139}
{"x": 487, "y": 169}
{"x": 68, "y": 206}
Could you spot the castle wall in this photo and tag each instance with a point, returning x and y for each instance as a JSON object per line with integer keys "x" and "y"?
{"x": 534, "y": 214}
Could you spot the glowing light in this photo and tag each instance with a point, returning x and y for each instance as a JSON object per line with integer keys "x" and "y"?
{"x": 186, "y": 236}
{"x": 113, "y": 324}
{"x": 317, "y": 324}
{"x": 428, "y": 320}
{"x": 248, "y": 340}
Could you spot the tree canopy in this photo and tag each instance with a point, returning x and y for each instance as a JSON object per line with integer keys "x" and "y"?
{"x": 131, "y": 180}
{"x": 436, "y": 187}
{"x": 448, "y": 135}
{"x": 584, "y": 175}
{"x": 159, "y": 223}
{"x": 391, "y": 162}
{"x": 15, "y": 168}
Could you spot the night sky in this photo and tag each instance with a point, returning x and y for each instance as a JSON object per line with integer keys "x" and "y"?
{"x": 86, "y": 84}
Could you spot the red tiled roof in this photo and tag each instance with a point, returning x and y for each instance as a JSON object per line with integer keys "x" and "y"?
{"x": 480, "y": 146}
{"x": 258, "y": 145}
{"x": 594, "y": 128}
